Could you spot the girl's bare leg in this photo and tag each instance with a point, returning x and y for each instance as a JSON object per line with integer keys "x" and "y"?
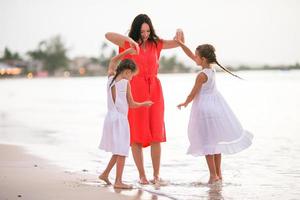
{"x": 137, "y": 153}
{"x": 110, "y": 165}
{"x": 217, "y": 158}
{"x": 119, "y": 172}
{"x": 213, "y": 177}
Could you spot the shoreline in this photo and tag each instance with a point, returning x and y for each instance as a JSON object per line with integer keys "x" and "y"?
{"x": 24, "y": 176}
{"x": 194, "y": 70}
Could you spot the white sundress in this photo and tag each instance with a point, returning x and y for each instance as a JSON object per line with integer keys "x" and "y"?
{"x": 116, "y": 132}
{"x": 213, "y": 128}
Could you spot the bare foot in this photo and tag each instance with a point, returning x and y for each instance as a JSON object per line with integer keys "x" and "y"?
{"x": 105, "y": 179}
{"x": 144, "y": 181}
{"x": 159, "y": 182}
{"x": 122, "y": 186}
{"x": 156, "y": 180}
{"x": 213, "y": 179}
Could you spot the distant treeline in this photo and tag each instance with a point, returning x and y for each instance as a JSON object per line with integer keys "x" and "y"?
{"x": 266, "y": 67}
{"x": 50, "y": 57}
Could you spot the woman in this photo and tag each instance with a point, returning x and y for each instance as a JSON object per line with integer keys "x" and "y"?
{"x": 147, "y": 126}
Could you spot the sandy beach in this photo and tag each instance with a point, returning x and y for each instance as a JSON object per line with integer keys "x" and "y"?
{"x": 23, "y": 176}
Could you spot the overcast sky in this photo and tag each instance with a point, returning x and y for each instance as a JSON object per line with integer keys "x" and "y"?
{"x": 249, "y": 32}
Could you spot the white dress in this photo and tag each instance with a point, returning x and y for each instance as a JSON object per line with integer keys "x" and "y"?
{"x": 116, "y": 132}
{"x": 213, "y": 128}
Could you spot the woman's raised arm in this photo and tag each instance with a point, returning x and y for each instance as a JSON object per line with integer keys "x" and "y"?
{"x": 119, "y": 40}
{"x": 114, "y": 60}
{"x": 169, "y": 44}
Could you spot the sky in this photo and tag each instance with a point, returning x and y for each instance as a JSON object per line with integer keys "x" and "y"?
{"x": 252, "y": 32}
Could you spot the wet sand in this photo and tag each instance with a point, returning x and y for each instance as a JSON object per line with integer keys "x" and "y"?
{"x": 23, "y": 176}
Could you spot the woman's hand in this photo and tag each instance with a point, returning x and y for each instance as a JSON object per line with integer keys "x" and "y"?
{"x": 147, "y": 103}
{"x": 135, "y": 45}
{"x": 179, "y": 36}
{"x": 131, "y": 51}
{"x": 179, "y": 42}
{"x": 178, "y": 39}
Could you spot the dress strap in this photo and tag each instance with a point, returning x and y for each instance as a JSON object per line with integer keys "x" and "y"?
{"x": 109, "y": 81}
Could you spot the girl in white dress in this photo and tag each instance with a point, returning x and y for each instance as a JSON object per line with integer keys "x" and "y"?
{"x": 116, "y": 133}
{"x": 213, "y": 128}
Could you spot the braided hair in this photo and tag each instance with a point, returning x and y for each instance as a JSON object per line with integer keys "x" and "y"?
{"x": 208, "y": 51}
{"x": 123, "y": 65}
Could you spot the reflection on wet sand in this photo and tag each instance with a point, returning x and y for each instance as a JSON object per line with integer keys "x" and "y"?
{"x": 215, "y": 191}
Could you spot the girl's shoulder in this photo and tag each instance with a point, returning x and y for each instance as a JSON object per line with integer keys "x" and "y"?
{"x": 110, "y": 78}
{"x": 208, "y": 71}
{"x": 122, "y": 83}
{"x": 123, "y": 80}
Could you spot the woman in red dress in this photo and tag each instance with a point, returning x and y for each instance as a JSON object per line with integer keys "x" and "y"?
{"x": 147, "y": 127}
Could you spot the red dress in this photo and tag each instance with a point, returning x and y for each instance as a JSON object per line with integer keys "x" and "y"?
{"x": 147, "y": 123}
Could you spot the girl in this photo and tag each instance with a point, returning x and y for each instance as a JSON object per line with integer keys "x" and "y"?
{"x": 147, "y": 127}
{"x": 213, "y": 128}
{"x": 116, "y": 134}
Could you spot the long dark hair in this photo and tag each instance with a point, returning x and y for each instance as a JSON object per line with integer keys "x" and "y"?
{"x": 208, "y": 51}
{"x": 123, "y": 65}
{"x": 135, "y": 30}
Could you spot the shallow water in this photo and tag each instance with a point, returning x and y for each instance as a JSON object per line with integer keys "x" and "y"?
{"x": 61, "y": 120}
